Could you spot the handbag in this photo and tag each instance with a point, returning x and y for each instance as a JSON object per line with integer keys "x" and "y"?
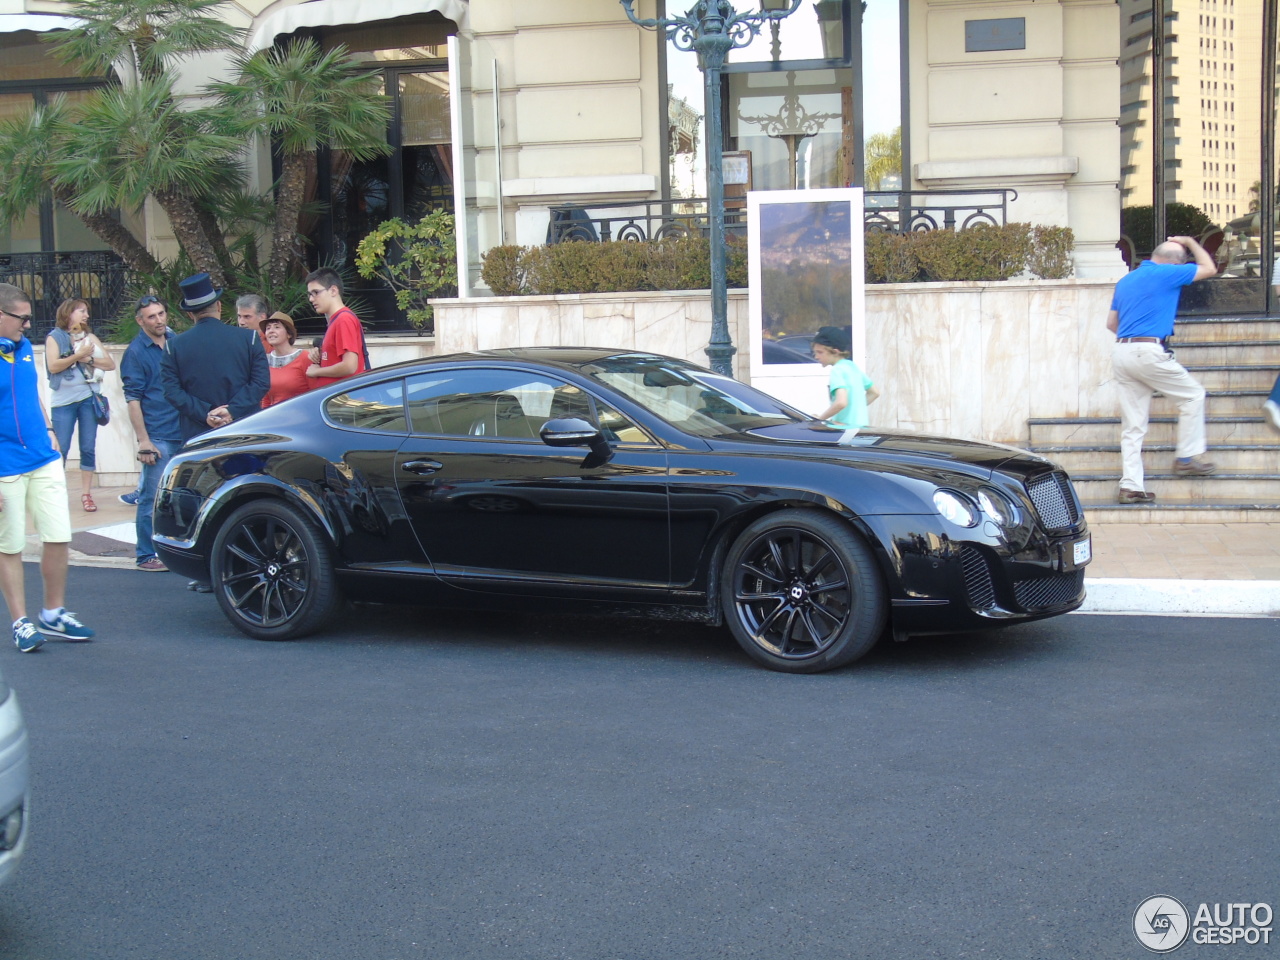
{"x": 101, "y": 408}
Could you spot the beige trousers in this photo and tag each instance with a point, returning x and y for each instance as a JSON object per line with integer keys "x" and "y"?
{"x": 1141, "y": 369}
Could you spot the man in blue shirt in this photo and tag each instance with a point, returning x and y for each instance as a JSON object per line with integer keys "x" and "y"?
{"x": 31, "y": 480}
{"x": 1142, "y": 313}
{"x": 156, "y": 423}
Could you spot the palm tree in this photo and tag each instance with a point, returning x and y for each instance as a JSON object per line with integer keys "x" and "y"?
{"x": 146, "y": 34}
{"x": 883, "y": 156}
{"x": 304, "y": 98}
{"x": 28, "y": 146}
{"x": 135, "y": 141}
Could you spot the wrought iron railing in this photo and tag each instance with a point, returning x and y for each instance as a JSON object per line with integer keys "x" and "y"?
{"x": 893, "y": 211}
{"x": 96, "y": 276}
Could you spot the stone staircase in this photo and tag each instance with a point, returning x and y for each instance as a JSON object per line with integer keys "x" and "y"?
{"x": 1237, "y": 360}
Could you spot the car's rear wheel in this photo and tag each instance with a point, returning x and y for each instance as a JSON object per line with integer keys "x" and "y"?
{"x": 802, "y": 593}
{"x": 273, "y": 572}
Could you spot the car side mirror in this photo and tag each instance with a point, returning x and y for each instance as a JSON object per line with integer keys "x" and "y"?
{"x": 575, "y": 432}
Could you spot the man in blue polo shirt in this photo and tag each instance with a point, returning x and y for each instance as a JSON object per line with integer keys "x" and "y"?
{"x": 31, "y": 480}
{"x": 156, "y": 423}
{"x": 1142, "y": 312}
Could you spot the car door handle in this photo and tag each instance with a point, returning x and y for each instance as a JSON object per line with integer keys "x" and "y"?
{"x": 422, "y": 467}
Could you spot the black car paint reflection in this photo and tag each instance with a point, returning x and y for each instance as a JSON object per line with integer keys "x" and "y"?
{"x": 808, "y": 542}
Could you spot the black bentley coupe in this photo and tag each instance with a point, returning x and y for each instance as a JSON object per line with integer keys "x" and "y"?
{"x": 621, "y": 482}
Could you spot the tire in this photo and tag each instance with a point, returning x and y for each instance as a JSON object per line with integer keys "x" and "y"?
{"x": 801, "y": 592}
{"x": 273, "y": 572}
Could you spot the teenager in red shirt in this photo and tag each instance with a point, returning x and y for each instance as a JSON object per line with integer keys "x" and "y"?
{"x": 341, "y": 354}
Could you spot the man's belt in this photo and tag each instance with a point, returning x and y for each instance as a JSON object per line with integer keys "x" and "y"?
{"x": 1138, "y": 340}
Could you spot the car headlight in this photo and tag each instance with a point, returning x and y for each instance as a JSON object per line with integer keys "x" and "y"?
{"x": 955, "y": 508}
{"x": 996, "y": 506}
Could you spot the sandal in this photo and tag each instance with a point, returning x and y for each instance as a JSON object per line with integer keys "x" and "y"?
{"x": 86, "y": 501}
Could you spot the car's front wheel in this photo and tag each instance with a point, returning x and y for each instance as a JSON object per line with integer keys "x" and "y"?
{"x": 273, "y": 572}
{"x": 802, "y": 593}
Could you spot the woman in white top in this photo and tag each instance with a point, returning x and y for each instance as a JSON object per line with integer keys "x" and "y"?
{"x": 74, "y": 357}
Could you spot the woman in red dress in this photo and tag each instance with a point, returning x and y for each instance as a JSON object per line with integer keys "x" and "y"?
{"x": 288, "y": 363}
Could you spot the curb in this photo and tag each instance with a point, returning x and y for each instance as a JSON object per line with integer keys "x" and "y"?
{"x": 1204, "y": 598}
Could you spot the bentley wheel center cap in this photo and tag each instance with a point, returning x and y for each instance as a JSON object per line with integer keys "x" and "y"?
{"x": 797, "y": 592}
{"x": 273, "y": 570}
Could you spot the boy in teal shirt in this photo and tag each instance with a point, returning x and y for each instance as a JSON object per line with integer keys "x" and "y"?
{"x": 851, "y": 389}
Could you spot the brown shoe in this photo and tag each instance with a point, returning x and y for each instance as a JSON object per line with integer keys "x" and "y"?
{"x": 152, "y": 565}
{"x": 1195, "y": 467}
{"x": 1135, "y": 496}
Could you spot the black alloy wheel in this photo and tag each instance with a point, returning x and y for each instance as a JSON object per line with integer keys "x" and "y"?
{"x": 273, "y": 572}
{"x": 802, "y": 593}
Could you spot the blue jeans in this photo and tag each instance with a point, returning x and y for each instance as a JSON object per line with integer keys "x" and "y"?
{"x": 148, "y": 483}
{"x": 65, "y": 419}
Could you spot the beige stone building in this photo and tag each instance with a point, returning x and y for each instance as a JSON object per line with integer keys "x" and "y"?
{"x": 506, "y": 109}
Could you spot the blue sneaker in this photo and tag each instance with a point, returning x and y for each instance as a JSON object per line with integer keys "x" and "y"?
{"x": 129, "y": 498}
{"x": 66, "y": 626}
{"x": 25, "y": 636}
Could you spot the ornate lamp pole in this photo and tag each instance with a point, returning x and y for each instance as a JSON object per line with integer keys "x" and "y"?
{"x": 712, "y": 28}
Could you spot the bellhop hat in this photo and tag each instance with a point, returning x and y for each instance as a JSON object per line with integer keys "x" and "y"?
{"x": 198, "y": 292}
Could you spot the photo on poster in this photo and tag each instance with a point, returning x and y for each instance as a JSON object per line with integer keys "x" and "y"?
{"x": 805, "y": 256}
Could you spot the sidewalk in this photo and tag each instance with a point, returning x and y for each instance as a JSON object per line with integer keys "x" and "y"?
{"x": 1173, "y": 568}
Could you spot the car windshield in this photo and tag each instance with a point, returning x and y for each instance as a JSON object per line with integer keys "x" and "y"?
{"x": 695, "y": 400}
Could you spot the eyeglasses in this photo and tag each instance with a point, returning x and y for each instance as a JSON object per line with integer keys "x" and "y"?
{"x": 147, "y": 301}
{"x": 312, "y": 294}
{"x": 24, "y": 317}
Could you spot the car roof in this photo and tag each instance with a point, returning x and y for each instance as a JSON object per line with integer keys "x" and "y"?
{"x": 571, "y": 357}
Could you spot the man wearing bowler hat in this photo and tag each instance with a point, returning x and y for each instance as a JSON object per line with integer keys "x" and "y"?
{"x": 213, "y": 374}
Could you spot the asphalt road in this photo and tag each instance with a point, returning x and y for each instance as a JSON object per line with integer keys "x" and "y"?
{"x": 455, "y": 786}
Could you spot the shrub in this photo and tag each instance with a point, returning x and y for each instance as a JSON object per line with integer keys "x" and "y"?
{"x": 1181, "y": 220}
{"x": 417, "y": 260}
{"x": 1051, "y": 252}
{"x": 983, "y": 252}
{"x": 890, "y": 257}
{"x": 503, "y": 271}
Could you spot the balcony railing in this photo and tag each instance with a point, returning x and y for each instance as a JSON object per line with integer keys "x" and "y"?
{"x": 95, "y": 276}
{"x": 894, "y": 211}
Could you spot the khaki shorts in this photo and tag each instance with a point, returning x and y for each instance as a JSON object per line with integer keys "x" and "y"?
{"x": 42, "y": 493}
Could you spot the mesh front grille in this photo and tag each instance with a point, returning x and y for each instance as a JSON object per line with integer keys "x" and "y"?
{"x": 1050, "y": 591}
{"x": 1055, "y": 500}
{"x": 977, "y": 578}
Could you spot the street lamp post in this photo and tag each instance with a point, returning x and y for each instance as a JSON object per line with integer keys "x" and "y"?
{"x": 712, "y": 28}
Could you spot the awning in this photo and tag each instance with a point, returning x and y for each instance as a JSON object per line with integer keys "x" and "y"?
{"x": 38, "y": 22}
{"x": 337, "y": 13}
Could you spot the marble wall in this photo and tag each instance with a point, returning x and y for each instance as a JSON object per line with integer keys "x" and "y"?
{"x": 968, "y": 359}
{"x": 972, "y": 359}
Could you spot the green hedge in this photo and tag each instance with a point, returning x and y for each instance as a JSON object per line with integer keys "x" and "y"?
{"x": 980, "y": 253}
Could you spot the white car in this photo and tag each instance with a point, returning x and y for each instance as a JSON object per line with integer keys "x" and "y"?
{"x": 14, "y": 780}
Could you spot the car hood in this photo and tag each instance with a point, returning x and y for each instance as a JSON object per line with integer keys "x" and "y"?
{"x": 875, "y": 442}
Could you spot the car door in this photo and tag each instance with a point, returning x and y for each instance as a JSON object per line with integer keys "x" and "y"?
{"x": 497, "y": 510}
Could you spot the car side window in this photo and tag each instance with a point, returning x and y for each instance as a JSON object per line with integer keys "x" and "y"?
{"x": 378, "y": 406}
{"x": 501, "y": 403}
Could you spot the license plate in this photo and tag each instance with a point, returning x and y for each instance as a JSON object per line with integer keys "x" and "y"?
{"x": 1081, "y": 552}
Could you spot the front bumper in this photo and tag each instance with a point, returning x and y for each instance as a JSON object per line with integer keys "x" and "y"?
{"x": 949, "y": 585}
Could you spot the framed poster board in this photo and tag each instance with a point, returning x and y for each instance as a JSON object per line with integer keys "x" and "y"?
{"x": 806, "y": 272}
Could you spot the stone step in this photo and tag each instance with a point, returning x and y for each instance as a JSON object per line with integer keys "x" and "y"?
{"x": 1260, "y": 352}
{"x": 1158, "y": 457}
{"x": 1235, "y": 376}
{"x": 1090, "y": 431}
{"x": 1098, "y": 487}
{"x": 1227, "y": 328}
{"x": 1222, "y": 403}
{"x": 1182, "y": 511}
